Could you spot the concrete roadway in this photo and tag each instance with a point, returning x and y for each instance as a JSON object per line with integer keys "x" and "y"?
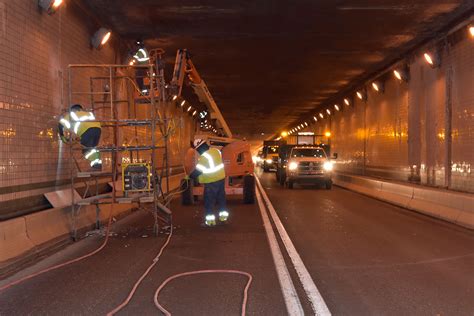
{"x": 366, "y": 258}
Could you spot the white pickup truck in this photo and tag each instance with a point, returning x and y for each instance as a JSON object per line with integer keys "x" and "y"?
{"x": 309, "y": 164}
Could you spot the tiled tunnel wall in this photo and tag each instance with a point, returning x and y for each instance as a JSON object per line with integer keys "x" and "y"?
{"x": 35, "y": 50}
{"x": 401, "y": 134}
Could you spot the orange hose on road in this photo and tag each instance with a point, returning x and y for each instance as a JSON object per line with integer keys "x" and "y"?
{"x": 33, "y": 275}
{"x": 244, "y": 301}
{"x": 143, "y": 276}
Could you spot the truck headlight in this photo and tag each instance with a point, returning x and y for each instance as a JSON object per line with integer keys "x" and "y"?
{"x": 269, "y": 161}
{"x": 328, "y": 166}
{"x": 293, "y": 166}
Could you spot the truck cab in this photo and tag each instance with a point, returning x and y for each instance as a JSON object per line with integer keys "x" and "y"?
{"x": 310, "y": 165}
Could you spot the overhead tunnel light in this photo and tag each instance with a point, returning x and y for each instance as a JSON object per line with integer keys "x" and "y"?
{"x": 378, "y": 86}
{"x": 100, "y": 38}
{"x": 347, "y": 102}
{"x": 471, "y": 30}
{"x": 182, "y": 103}
{"x": 433, "y": 59}
{"x": 336, "y": 107}
{"x": 402, "y": 74}
{"x": 49, "y": 6}
{"x": 321, "y": 115}
{"x": 362, "y": 94}
{"x": 174, "y": 97}
{"x": 328, "y": 111}
{"x": 315, "y": 118}
{"x": 397, "y": 74}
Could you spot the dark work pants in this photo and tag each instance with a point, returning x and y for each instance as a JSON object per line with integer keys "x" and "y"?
{"x": 90, "y": 139}
{"x": 214, "y": 194}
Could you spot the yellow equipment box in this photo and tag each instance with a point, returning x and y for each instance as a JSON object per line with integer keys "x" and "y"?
{"x": 136, "y": 177}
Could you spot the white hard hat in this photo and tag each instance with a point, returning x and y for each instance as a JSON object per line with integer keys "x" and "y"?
{"x": 198, "y": 142}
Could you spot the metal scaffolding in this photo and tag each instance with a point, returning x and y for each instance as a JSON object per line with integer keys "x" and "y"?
{"x": 123, "y": 108}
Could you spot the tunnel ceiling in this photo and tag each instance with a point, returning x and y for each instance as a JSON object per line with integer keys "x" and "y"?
{"x": 268, "y": 63}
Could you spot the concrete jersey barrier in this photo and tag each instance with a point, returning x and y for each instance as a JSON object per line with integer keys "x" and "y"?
{"x": 454, "y": 207}
{"x": 25, "y": 237}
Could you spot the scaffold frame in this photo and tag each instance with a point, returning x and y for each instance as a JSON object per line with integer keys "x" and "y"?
{"x": 155, "y": 101}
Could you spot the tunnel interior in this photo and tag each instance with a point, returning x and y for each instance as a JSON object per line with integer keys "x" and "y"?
{"x": 278, "y": 62}
{"x": 283, "y": 157}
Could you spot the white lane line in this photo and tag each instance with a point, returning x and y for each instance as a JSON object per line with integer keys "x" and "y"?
{"x": 292, "y": 301}
{"x": 314, "y": 296}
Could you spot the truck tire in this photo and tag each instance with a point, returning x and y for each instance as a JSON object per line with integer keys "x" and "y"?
{"x": 328, "y": 185}
{"x": 290, "y": 184}
{"x": 187, "y": 197}
{"x": 249, "y": 189}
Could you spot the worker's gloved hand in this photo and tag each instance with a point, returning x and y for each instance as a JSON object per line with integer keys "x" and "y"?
{"x": 186, "y": 177}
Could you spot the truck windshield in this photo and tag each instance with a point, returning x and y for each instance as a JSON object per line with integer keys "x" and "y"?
{"x": 308, "y": 152}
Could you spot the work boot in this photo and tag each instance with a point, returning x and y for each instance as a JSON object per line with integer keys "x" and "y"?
{"x": 223, "y": 216}
{"x": 210, "y": 220}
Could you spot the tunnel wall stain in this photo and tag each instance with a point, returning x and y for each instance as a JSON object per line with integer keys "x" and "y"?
{"x": 401, "y": 134}
{"x": 35, "y": 49}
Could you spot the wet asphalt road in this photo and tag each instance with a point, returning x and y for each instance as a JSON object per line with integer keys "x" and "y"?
{"x": 366, "y": 258}
{"x": 98, "y": 284}
{"x": 370, "y": 258}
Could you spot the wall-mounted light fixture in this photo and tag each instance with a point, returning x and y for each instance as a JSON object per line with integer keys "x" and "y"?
{"x": 101, "y": 37}
{"x": 402, "y": 73}
{"x": 182, "y": 103}
{"x": 362, "y": 94}
{"x": 337, "y": 107}
{"x": 49, "y": 6}
{"x": 378, "y": 86}
{"x": 471, "y": 30}
{"x": 315, "y": 118}
{"x": 433, "y": 58}
{"x": 347, "y": 101}
{"x": 328, "y": 111}
{"x": 321, "y": 115}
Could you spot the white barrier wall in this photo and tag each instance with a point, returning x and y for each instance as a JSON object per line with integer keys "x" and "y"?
{"x": 401, "y": 133}
{"x": 454, "y": 207}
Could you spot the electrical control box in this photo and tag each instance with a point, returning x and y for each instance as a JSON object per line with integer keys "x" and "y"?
{"x": 136, "y": 177}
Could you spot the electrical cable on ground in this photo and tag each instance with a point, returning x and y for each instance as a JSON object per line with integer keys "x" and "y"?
{"x": 244, "y": 300}
{"x": 143, "y": 276}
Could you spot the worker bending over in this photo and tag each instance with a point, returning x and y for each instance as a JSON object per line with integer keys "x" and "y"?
{"x": 81, "y": 123}
{"x": 210, "y": 172}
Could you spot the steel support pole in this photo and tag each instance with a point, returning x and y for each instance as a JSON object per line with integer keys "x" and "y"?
{"x": 448, "y": 127}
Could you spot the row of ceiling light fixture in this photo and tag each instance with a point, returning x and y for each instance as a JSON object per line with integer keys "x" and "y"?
{"x": 203, "y": 115}
{"x": 433, "y": 58}
{"x": 100, "y": 37}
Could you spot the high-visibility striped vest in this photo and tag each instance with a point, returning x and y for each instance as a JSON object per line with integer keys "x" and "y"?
{"x": 79, "y": 122}
{"x": 142, "y": 56}
{"x": 211, "y": 165}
